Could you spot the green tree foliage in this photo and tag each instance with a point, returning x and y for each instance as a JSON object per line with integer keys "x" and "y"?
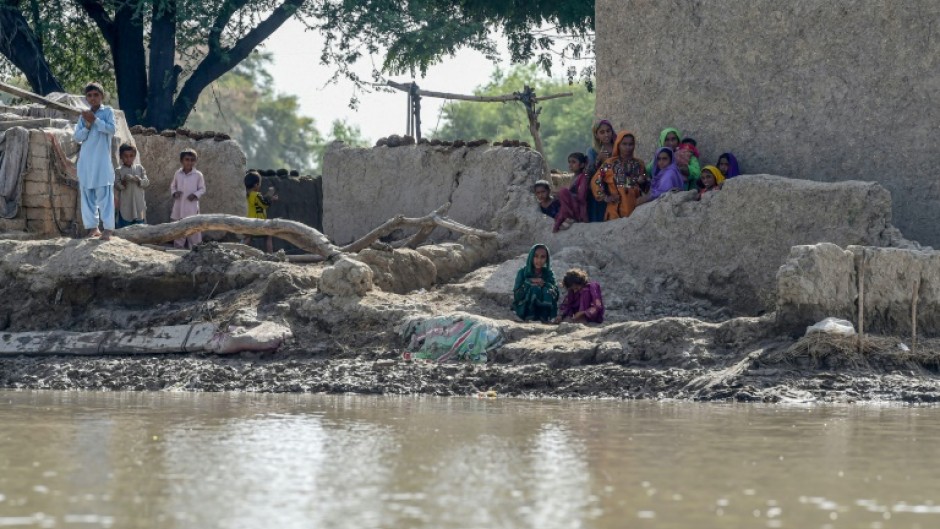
{"x": 340, "y": 130}
{"x": 268, "y": 125}
{"x": 566, "y": 122}
{"x": 160, "y": 55}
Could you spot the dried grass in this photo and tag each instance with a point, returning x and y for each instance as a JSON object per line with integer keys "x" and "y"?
{"x": 823, "y": 350}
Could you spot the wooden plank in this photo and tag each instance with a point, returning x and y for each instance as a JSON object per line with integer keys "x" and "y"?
{"x": 35, "y": 98}
{"x": 155, "y": 340}
{"x": 406, "y": 87}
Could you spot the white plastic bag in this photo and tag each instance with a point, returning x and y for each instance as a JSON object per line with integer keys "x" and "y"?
{"x": 832, "y": 326}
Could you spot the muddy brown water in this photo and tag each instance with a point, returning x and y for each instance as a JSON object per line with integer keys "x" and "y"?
{"x": 181, "y": 460}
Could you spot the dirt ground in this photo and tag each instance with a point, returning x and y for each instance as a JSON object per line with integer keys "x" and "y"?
{"x": 351, "y": 344}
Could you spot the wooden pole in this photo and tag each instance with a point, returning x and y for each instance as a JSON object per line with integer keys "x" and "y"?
{"x": 35, "y": 98}
{"x": 861, "y": 301}
{"x": 915, "y": 299}
{"x": 532, "y": 111}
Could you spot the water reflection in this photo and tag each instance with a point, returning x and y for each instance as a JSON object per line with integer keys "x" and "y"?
{"x": 240, "y": 461}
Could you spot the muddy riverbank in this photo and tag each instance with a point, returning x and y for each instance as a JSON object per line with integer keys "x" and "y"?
{"x": 661, "y": 347}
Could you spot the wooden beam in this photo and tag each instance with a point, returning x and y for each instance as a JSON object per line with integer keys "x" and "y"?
{"x": 35, "y": 98}
{"x": 406, "y": 87}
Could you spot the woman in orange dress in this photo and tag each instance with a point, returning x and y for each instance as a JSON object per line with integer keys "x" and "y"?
{"x": 618, "y": 181}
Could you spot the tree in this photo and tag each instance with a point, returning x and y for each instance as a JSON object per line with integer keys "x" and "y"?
{"x": 164, "y": 53}
{"x": 566, "y": 122}
{"x": 342, "y": 131}
{"x": 268, "y": 125}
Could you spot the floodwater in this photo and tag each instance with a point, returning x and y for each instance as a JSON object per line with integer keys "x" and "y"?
{"x": 181, "y": 460}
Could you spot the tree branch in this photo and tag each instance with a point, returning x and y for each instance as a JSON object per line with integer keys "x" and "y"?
{"x": 229, "y": 8}
{"x": 296, "y": 233}
{"x": 427, "y": 224}
{"x": 221, "y": 60}
{"x": 19, "y": 44}
{"x": 96, "y": 11}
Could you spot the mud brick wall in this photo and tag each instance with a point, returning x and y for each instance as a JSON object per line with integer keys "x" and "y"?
{"x": 222, "y": 163}
{"x": 39, "y": 210}
{"x": 827, "y": 91}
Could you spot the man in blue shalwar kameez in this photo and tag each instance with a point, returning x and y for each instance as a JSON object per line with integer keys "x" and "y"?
{"x": 95, "y": 169}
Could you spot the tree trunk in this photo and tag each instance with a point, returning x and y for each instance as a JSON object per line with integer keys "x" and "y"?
{"x": 163, "y": 70}
{"x": 130, "y": 65}
{"x": 18, "y": 43}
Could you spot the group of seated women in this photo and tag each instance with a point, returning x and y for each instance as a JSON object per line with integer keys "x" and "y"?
{"x": 610, "y": 181}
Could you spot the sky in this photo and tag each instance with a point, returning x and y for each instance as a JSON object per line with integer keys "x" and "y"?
{"x": 297, "y": 71}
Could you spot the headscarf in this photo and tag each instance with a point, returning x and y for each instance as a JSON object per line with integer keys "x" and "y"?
{"x": 597, "y": 144}
{"x": 733, "y": 169}
{"x": 719, "y": 178}
{"x": 620, "y": 136}
{"x": 666, "y": 179}
{"x": 665, "y": 132}
{"x": 547, "y": 273}
{"x": 689, "y": 147}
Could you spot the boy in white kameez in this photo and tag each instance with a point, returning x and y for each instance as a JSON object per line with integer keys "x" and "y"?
{"x": 187, "y": 186}
{"x": 94, "y": 132}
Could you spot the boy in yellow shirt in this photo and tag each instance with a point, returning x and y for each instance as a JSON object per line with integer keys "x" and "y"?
{"x": 258, "y": 204}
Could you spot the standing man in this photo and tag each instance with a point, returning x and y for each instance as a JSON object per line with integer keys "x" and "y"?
{"x": 94, "y": 131}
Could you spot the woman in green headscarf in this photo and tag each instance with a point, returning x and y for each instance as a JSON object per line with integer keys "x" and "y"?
{"x": 535, "y": 294}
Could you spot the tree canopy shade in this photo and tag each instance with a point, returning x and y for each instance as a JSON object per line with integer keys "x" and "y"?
{"x": 160, "y": 55}
{"x": 565, "y": 122}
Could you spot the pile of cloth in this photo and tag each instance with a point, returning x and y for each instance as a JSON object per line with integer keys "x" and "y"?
{"x": 452, "y": 338}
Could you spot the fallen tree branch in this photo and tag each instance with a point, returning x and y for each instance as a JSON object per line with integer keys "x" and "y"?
{"x": 427, "y": 224}
{"x": 296, "y": 233}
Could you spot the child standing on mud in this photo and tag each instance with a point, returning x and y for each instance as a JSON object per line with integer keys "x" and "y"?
{"x": 583, "y": 302}
{"x": 535, "y": 294}
{"x": 130, "y": 180}
{"x": 258, "y": 204}
{"x": 187, "y": 187}
{"x": 94, "y": 131}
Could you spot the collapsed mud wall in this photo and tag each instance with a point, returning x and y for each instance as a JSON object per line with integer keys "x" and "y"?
{"x": 822, "y": 280}
{"x": 363, "y": 188}
{"x": 221, "y": 162}
{"x": 820, "y": 90}
{"x": 725, "y": 248}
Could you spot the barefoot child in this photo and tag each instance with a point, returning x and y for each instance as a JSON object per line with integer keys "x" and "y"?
{"x": 130, "y": 180}
{"x": 583, "y": 302}
{"x": 94, "y": 131}
{"x": 535, "y": 294}
{"x": 187, "y": 186}
{"x": 258, "y": 204}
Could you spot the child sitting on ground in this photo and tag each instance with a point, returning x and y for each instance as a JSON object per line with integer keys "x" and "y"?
{"x": 535, "y": 294}
{"x": 258, "y": 204}
{"x": 711, "y": 180}
{"x": 548, "y": 204}
{"x": 130, "y": 180}
{"x": 583, "y": 302}
{"x": 187, "y": 186}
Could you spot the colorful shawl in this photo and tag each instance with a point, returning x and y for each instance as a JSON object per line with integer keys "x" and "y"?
{"x": 451, "y": 338}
